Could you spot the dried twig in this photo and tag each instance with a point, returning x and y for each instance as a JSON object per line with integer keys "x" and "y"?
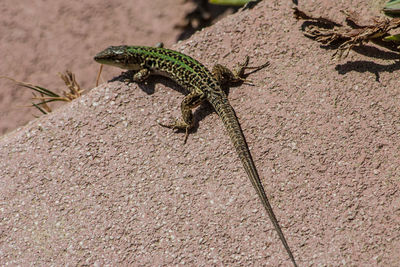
{"x": 355, "y": 34}
{"x": 98, "y": 75}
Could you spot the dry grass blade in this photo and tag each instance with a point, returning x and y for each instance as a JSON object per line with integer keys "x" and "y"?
{"x": 42, "y": 107}
{"x": 75, "y": 90}
{"x": 98, "y": 75}
{"x": 47, "y": 96}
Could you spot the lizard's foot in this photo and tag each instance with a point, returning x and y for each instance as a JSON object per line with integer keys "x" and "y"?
{"x": 137, "y": 76}
{"x": 226, "y": 76}
{"x": 239, "y": 74}
{"x": 178, "y": 125}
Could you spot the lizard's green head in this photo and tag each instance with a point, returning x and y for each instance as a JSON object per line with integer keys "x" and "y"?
{"x": 113, "y": 55}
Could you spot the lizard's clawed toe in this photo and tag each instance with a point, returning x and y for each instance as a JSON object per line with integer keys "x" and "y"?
{"x": 178, "y": 125}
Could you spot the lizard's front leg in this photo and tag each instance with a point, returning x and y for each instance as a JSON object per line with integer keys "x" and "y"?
{"x": 226, "y": 76}
{"x": 141, "y": 75}
{"x": 190, "y": 101}
{"x": 138, "y": 76}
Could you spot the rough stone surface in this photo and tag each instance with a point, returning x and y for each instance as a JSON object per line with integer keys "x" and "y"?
{"x": 99, "y": 182}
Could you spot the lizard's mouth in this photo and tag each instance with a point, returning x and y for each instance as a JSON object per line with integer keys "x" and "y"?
{"x": 112, "y": 55}
{"x": 104, "y": 58}
{"x": 112, "y": 61}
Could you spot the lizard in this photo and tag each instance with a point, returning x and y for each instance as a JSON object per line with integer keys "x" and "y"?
{"x": 202, "y": 85}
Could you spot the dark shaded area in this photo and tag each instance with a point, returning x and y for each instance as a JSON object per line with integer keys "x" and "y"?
{"x": 367, "y": 66}
{"x": 388, "y": 45}
{"x": 252, "y": 4}
{"x": 298, "y": 14}
{"x": 204, "y": 15}
{"x": 375, "y": 52}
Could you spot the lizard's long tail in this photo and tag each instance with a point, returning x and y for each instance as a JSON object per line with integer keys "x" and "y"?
{"x": 228, "y": 116}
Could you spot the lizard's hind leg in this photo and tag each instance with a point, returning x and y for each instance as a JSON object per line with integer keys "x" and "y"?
{"x": 190, "y": 102}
